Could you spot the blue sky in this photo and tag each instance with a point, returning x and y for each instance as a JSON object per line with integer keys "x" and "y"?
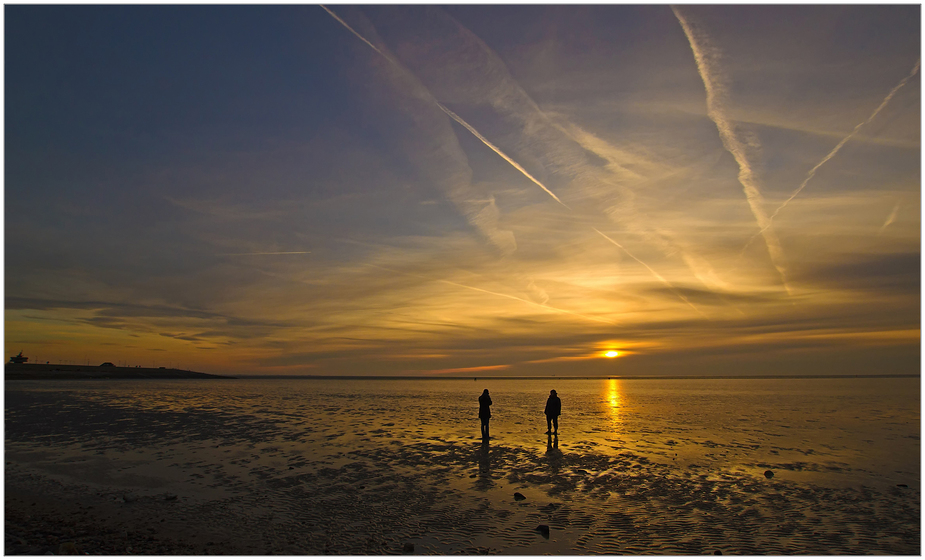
{"x": 424, "y": 190}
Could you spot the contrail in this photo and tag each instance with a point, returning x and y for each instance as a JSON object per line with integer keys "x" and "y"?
{"x": 540, "y": 305}
{"x": 485, "y": 141}
{"x": 649, "y": 268}
{"x": 564, "y": 146}
{"x": 844, "y": 141}
{"x": 513, "y": 163}
{"x": 705, "y": 58}
{"x": 451, "y": 114}
{"x": 830, "y": 155}
{"x": 352, "y": 30}
{"x": 890, "y": 219}
{"x": 267, "y": 253}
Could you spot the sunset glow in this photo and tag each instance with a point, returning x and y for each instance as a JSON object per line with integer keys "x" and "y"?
{"x": 465, "y": 190}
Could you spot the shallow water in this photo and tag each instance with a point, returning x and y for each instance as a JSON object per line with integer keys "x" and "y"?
{"x": 366, "y": 466}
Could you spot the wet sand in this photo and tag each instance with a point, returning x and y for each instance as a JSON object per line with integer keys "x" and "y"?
{"x": 175, "y": 480}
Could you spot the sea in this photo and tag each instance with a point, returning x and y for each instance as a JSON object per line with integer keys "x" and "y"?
{"x": 377, "y": 466}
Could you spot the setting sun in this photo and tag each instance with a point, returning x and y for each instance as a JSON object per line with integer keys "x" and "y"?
{"x": 611, "y": 354}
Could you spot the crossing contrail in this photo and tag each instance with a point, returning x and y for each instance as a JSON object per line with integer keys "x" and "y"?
{"x": 514, "y": 164}
{"x": 831, "y": 154}
{"x": 705, "y": 55}
{"x": 844, "y": 140}
{"x": 453, "y": 115}
{"x": 559, "y": 144}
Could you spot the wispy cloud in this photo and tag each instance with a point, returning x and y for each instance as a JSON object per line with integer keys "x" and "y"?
{"x": 602, "y": 176}
{"x": 890, "y": 219}
{"x": 508, "y": 296}
{"x": 467, "y": 370}
{"x": 707, "y": 57}
{"x": 658, "y": 276}
{"x": 453, "y": 115}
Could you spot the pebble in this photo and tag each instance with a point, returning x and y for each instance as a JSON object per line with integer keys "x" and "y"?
{"x": 518, "y": 496}
{"x": 769, "y": 474}
{"x": 544, "y": 530}
{"x": 68, "y": 549}
{"x": 408, "y": 548}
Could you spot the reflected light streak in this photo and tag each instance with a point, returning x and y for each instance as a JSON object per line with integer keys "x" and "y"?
{"x": 613, "y": 397}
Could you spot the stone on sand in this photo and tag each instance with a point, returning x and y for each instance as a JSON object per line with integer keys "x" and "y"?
{"x": 67, "y": 549}
{"x": 769, "y": 474}
{"x": 518, "y": 496}
{"x": 544, "y": 530}
{"x": 408, "y": 548}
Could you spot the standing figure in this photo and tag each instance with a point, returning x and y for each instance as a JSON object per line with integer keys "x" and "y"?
{"x": 553, "y": 410}
{"x": 484, "y": 412}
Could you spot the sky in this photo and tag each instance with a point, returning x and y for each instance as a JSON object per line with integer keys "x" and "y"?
{"x": 467, "y": 190}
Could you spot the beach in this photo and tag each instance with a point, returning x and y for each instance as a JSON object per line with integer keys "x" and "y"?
{"x": 260, "y": 468}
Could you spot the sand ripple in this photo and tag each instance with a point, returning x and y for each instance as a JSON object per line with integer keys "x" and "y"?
{"x": 268, "y": 481}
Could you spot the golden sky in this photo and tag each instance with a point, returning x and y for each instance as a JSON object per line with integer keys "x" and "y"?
{"x": 465, "y": 190}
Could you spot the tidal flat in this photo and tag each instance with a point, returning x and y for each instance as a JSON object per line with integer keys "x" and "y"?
{"x": 307, "y": 467}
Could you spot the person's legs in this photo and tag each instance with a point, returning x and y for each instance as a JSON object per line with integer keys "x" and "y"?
{"x": 555, "y": 424}
{"x": 549, "y": 424}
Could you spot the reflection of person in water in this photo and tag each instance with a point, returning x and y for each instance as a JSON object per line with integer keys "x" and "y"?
{"x": 484, "y": 412}
{"x": 553, "y": 455}
{"x": 484, "y": 464}
{"x": 553, "y": 409}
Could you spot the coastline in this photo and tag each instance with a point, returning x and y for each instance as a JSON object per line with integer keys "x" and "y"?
{"x": 21, "y": 372}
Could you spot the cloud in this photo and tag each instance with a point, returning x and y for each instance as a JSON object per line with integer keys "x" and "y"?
{"x": 738, "y": 144}
{"x": 874, "y": 273}
{"x": 483, "y": 218}
{"x": 469, "y": 74}
{"x": 889, "y": 219}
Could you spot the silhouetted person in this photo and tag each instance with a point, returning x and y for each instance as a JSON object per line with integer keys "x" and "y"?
{"x": 484, "y": 412}
{"x": 553, "y": 410}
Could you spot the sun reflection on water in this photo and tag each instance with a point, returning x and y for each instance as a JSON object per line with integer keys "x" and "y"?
{"x": 614, "y": 399}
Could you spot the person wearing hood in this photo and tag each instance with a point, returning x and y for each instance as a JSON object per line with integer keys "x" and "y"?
{"x": 553, "y": 409}
{"x": 484, "y": 412}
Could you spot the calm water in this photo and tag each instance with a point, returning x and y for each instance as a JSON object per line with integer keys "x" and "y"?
{"x": 667, "y": 452}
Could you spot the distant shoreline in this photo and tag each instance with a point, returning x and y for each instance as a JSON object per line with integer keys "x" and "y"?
{"x": 24, "y": 372}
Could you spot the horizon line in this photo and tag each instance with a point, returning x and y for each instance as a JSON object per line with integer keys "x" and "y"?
{"x": 585, "y": 377}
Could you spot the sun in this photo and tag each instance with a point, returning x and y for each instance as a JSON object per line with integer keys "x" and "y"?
{"x": 611, "y": 353}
